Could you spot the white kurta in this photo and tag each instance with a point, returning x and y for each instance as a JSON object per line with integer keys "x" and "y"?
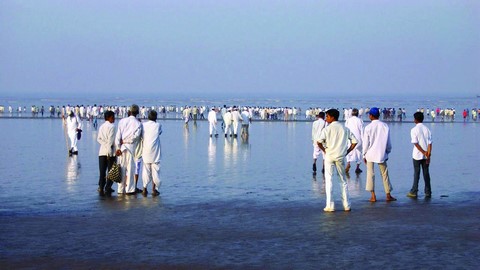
{"x": 73, "y": 123}
{"x": 129, "y": 131}
{"x": 376, "y": 142}
{"x": 355, "y": 125}
{"x": 151, "y": 153}
{"x": 212, "y": 120}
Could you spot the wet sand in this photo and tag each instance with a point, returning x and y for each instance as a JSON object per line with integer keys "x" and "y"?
{"x": 228, "y": 204}
{"x": 241, "y": 235}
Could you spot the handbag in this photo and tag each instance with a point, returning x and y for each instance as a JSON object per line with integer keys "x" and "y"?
{"x": 115, "y": 174}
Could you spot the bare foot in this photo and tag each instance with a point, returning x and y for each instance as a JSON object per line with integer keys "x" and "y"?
{"x": 390, "y": 198}
{"x": 373, "y": 199}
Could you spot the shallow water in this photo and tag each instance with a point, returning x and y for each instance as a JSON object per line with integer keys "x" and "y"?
{"x": 273, "y": 166}
{"x": 231, "y": 204}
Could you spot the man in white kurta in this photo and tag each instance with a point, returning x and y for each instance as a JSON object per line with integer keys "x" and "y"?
{"x": 227, "y": 120}
{"x": 128, "y": 135}
{"x": 236, "y": 119}
{"x": 212, "y": 121}
{"x": 317, "y": 128}
{"x": 151, "y": 154}
{"x": 74, "y": 125}
{"x": 334, "y": 141}
{"x": 246, "y": 119}
{"x": 376, "y": 147}
{"x": 355, "y": 125}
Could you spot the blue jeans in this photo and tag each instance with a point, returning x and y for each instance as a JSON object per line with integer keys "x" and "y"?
{"x": 416, "y": 176}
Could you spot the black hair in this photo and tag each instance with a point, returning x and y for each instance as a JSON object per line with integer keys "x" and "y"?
{"x": 418, "y": 116}
{"x": 152, "y": 115}
{"x": 108, "y": 114}
{"x": 333, "y": 113}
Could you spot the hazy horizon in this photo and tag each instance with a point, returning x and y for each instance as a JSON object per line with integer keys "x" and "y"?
{"x": 240, "y": 48}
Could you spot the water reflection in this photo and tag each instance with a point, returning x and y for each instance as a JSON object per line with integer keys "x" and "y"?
{"x": 72, "y": 171}
{"x": 212, "y": 151}
{"x": 354, "y": 183}
{"x": 318, "y": 185}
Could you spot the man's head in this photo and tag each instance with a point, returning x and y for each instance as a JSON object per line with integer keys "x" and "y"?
{"x": 418, "y": 116}
{"x": 355, "y": 112}
{"x": 134, "y": 109}
{"x": 109, "y": 116}
{"x": 321, "y": 115}
{"x": 332, "y": 115}
{"x": 374, "y": 112}
{"x": 152, "y": 115}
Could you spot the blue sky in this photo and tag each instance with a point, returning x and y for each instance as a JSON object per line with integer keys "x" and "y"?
{"x": 240, "y": 48}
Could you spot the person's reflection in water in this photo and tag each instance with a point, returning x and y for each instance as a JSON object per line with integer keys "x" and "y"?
{"x": 212, "y": 150}
{"x": 186, "y": 132}
{"x": 354, "y": 184}
{"x": 72, "y": 171}
{"x": 318, "y": 186}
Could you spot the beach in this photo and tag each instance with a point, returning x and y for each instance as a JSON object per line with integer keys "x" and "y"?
{"x": 230, "y": 204}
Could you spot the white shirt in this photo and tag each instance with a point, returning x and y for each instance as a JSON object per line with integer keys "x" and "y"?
{"x": 151, "y": 142}
{"x": 317, "y": 127}
{"x": 376, "y": 142}
{"x": 227, "y": 118}
{"x": 420, "y": 134}
{"x": 335, "y": 139}
{"x": 355, "y": 125}
{"x": 245, "y": 117}
{"x": 129, "y": 130}
{"x": 236, "y": 117}
{"x": 106, "y": 138}
{"x": 212, "y": 117}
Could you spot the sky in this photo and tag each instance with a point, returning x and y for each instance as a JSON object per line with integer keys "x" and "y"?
{"x": 240, "y": 48}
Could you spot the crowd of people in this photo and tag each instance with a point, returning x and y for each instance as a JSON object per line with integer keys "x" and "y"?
{"x": 200, "y": 112}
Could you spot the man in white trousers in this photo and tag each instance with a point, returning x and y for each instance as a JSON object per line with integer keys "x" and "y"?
{"x": 236, "y": 119}
{"x": 212, "y": 120}
{"x": 151, "y": 154}
{"x": 355, "y": 125}
{"x": 334, "y": 142}
{"x": 128, "y": 135}
{"x": 74, "y": 125}
{"x": 317, "y": 128}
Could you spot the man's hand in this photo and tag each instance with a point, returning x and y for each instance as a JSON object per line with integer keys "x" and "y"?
{"x": 118, "y": 153}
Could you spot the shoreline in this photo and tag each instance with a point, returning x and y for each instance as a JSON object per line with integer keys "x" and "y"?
{"x": 256, "y": 120}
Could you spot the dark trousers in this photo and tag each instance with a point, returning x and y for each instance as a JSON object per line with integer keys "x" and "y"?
{"x": 417, "y": 164}
{"x": 105, "y": 164}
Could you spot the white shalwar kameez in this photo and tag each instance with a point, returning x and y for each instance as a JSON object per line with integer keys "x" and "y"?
{"x": 129, "y": 131}
{"x": 212, "y": 120}
{"x": 73, "y": 123}
{"x": 355, "y": 125}
{"x": 151, "y": 153}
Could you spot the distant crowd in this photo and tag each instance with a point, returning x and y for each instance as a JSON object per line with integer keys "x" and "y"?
{"x": 256, "y": 112}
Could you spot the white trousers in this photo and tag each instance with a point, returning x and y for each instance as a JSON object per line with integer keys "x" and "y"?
{"x": 228, "y": 128}
{"x": 235, "y": 127}
{"x": 340, "y": 165}
{"x": 73, "y": 140}
{"x": 213, "y": 127}
{"x": 127, "y": 165}
{"x": 355, "y": 156}
{"x": 151, "y": 171}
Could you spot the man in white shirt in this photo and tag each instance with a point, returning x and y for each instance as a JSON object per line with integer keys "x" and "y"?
{"x": 317, "y": 128}
{"x": 334, "y": 142}
{"x": 74, "y": 125}
{"x": 151, "y": 153}
{"x": 106, "y": 157}
{"x": 246, "y": 119}
{"x": 376, "y": 147}
{"x": 422, "y": 150}
{"x": 355, "y": 125}
{"x": 236, "y": 119}
{"x": 128, "y": 135}
{"x": 212, "y": 120}
{"x": 227, "y": 121}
